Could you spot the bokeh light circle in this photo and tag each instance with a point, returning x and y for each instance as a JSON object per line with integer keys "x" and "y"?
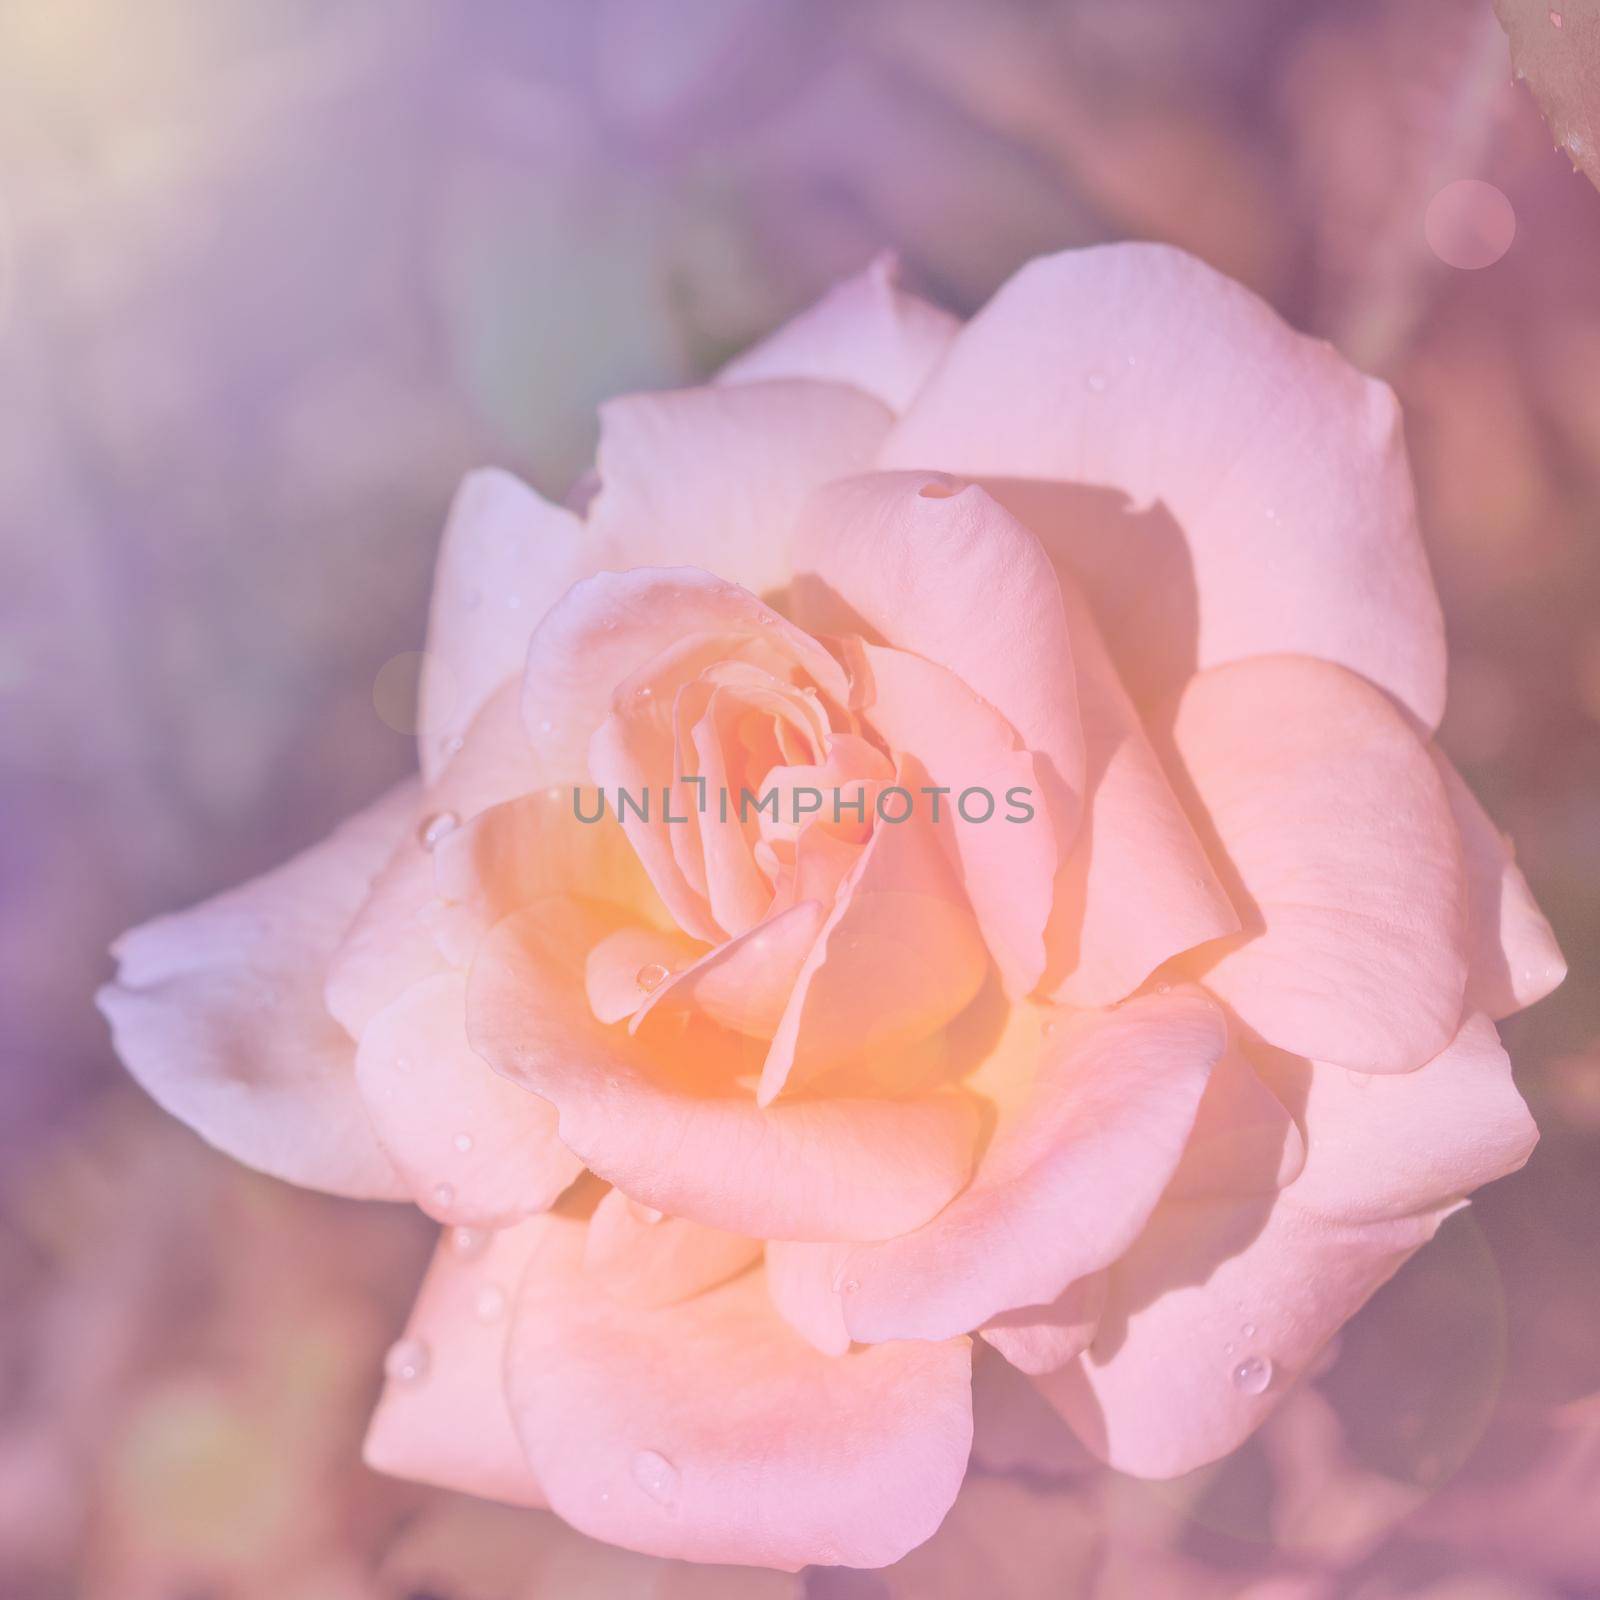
{"x": 415, "y": 692}
{"x": 1469, "y": 224}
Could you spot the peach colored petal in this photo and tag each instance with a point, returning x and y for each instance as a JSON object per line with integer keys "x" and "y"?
{"x": 1332, "y": 827}
{"x": 675, "y": 1130}
{"x": 626, "y": 967}
{"x": 449, "y": 1424}
{"x": 898, "y": 956}
{"x": 473, "y": 1147}
{"x": 716, "y": 477}
{"x": 866, "y": 331}
{"x": 709, "y": 1431}
{"x": 1135, "y": 368}
{"x": 394, "y": 939}
{"x": 521, "y": 850}
{"x": 1244, "y": 1140}
{"x": 646, "y": 1259}
{"x": 746, "y": 983}
{"x": 905, "y": 555}
{"x": 610, "y": 627}
{"x": 1513, "y": 955}
{"x": 506, "y": 556}
{"x": 1136, "y": 888}
{"x": 1040, "y": 1339}
{"x": 961, "y": 744}
{"x": 802, "y": 1281}
{"x": 1211, "y": 1318}
{"x": 1069, "y": 1178}
{"x": 218, "y": 1012}
{"x": 1390, "y": 1144}
{"x": 1262, "y": 1283}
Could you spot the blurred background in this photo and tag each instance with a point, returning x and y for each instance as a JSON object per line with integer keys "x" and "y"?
{"x": 274, "y": 273}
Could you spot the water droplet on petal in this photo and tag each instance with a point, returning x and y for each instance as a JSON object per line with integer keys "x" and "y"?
{"x": 469, "y": 1243}
{"x": 444, "y": 1194}
{"x": 406, "y": 1361}
{"x": 1163, "y": 988}
{"x": 547, "y": 726}
{"x": 1096, "y": 382}
{"x": 1248, "y": 1330}
{"x": 489, "y": 1305}
{"x": 433, "y": 828}
{"x": 651, "y": 976}
{"x": 1252, "y": 1375}
{"x": 645, "y": 691}
{"x": 463, "y": 1142}
{"x": 1048, "y": 1027}
{"x": 1555, "y": 19}
{"x": 454, "y": 747}
{"x": 656, "y": 1476}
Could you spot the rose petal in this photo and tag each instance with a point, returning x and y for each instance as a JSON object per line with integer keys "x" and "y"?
{"x": 1387, "y": 1145}
{"x": 1513, "y": 955}
{"x": 709, "y": 1431}
{"x": 450, "y": 1425}
{"x": 675, "y": 1131}
{"x": 506, "y": 556}
{"x": 1244, "y": 1141}
{"x": 866, "y": 331}
{"x": 1069, "y": 1178}
{"x": 474, "y": 1147}
{"x": 1332, "y": 823}
{"x": 716, "y": 477}
{"x": 1173, "y": 1379}
{"x": 647, "y": 1259}
{"x": 1133, "y": 367}
{"x": 610, "y": 626}
{"x": 899, "y": 955}
{"x": 1005, "y": 866}
{"x": 218, "y": 1012}
{"x": 904, "y": 554}
{"x": 1136, "y": 888}
{"x": 1040, "y": 1339}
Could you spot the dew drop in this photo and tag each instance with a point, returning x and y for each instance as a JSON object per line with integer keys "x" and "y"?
{"x": 433, "y": 828}
{"x": 406, "y": 1361}
{"x": 1096, "y": 382}
{"x": 444, "y": 1194}
{"x": 1163, "y": 988}
{"x": 1252, "y": 1375}
{"x": 469, "y": 1243}
{"x": 1248, "y": 1330}
{"x": 1555, "y": 19}
{"x": 646, "y": 692}
{"x": 547, "y": 726}
{"x": 489, "y": 1305}
{"x": 454, "y": 746}
{"x": 1047, "y": 1027}
{"x": 463, "y": 1143}
{"x": 651, "y": 976}
{"x": 656, "y": 1476}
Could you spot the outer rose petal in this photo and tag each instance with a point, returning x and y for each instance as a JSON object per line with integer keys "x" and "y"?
{"x": 1134, "y": 367}
{"x": 905, "y": 555}
{"x": 1156, "y": 1394}
{"x": 608, "y": 627}
{"x": 1386, "y": 1160}
{"x": 1244, "y": 1141}
{"x": 716, "y": 477}
{"x": 506, "y": 556}
{"x": 815, "y": 1168}
{"x": 428, "y": 1096}
{"x": 1513, "y": 955}
{"x": 1136, "y": 888}
{"x": 1344, "y": 862}
{"x": 646, "y": 1259}
{"x": 218, "y": 1012}
{"x": 709, "y": 1431}
{"x": 1068, "y": 1180}
{"x": 1039, "y": 1339}
{"x": 451, "y": 1425}
{"x": 866, "y": 331}
{"x": 1387, "y": 1145}
{"x": 1005, "y": 867}
{"x": 394, "y": 939}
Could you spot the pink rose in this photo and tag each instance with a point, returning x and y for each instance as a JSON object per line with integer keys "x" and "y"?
{"x": 1150, "y": 1087}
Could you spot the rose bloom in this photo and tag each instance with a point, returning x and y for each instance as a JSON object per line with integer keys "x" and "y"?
{"x": 741, "y": 1129}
